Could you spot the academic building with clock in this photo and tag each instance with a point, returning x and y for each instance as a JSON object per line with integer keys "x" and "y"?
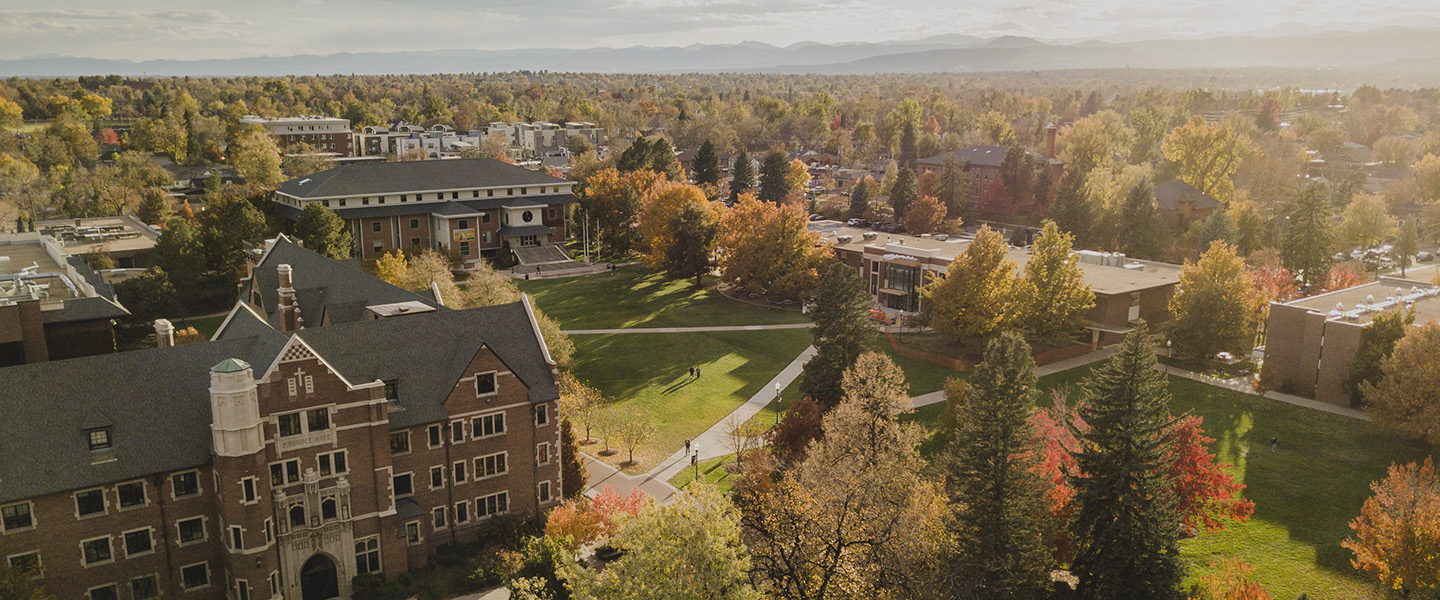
{"x": 334, "y": 426}
{"x": 475, "y": 208}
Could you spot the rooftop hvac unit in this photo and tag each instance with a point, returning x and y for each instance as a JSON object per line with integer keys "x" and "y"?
{"x": 844, "y": 239}
{"x": 940, "y": 237}
{"x": 869, "y": 236}
{"x": 1135, "y": 266}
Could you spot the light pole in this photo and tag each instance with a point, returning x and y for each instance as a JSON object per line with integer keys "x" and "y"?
{"x": 1168, "y": 354}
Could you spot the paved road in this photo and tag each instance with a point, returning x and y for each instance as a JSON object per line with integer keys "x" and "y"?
{"x": 601, "y": 476}
{"x": 687, "y": 329}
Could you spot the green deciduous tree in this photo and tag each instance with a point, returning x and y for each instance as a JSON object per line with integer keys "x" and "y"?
{"x": 995, "y": 490}
{"x": 976, "y": 298}
{"x": 1366, "y": 222}
{"x": 1127, "y": 523}
{"x": 323, "y": 231}
{"x": 1377, "y": 342}
{"x": 1053, "y": 296}
{"x": 909, "y": 156}
{"x": 1404, "y": 397}
{"x": 706, "y": 167}
{"x": 1309, "y": 239}
{"x": 149, "y": 296}
{"x": 1211, "y": 305}
{"x": 1406, "y": 245}
{"x": 842, "y": 332}
{"x": 257, "y": 159}
{"x": 687, "y": 550}
{"x": 1208, "y": 155}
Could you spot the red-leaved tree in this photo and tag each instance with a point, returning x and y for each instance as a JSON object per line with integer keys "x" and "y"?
{"x": 581, "y": 521}
{"x": 1056, "y": 427}
{"x": 795, "y": 430}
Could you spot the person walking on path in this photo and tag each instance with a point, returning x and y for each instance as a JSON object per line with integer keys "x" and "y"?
{"x": 687, "y": 446}
{"x": 692, "y": 372}
{"x": 1273, "y": 442}
{"x": 697, "y": 372}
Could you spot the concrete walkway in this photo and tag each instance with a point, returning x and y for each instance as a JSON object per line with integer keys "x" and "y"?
{"x": 1040, "y": 371}
{"x": 687, "y": 329}
{"x": 1242, "y": 385}
{"x": 712, "y": 443}
{"x": 601, "y": 475}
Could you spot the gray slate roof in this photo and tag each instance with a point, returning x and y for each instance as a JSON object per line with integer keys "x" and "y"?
{"x": 985, "y": 156}
{"x": 1169, "y": 195}
{"x": 360, "y": 179}
{"x": 323, "y": 287}
{"x": 93, "y": 308}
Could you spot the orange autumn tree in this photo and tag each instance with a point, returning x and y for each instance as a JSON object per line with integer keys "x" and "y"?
{"x": 1397, "y": 535}
{"x": 582, "y": 520}
{"x": 658, "y": 210}
{"x": 925, "y": 216}
{"x": 765, "y": 246}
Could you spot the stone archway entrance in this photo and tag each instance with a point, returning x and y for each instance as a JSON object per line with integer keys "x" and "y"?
{"x": 319, "y": 579}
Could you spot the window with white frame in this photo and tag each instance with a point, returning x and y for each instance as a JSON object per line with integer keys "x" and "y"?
{"x": 185, "y": 484}
{"x": 196, "y": 576}
{"x": 437, "y": 518}
{"x": 457, "y": 432}
{"x": 412, "y": 533}
{"x": 247, "y": 491}
{"x": 145, "y": 587}
{"x": 90, "y": 502}
{"x": 400, "y": 442}
{"x": 96, "y": 551}
{"x": 437, "y": 477}
{"x": 367, "y": 554}
{"x": 542, "y": 453}
{"x": 542, "y": 415}
{"x": 333, "y": 463}
{"x": 27, "y": 562}
{"x": 484, "y": 384}
{"x": 192, "y": 530}
{"x": 544, "y": 491}
{"x": 285, "y": 472}
{"x": 242, "y": 589}
{"x": 138, "y": 542}
{"x": 402, "y": 484}
{"x": 494, "y": 504}
{"x": 487, "y": 425}
{"x": 462, "y": 512}
{"x": 490, "y": 465}
{"x": 237, "y": 537}
{"x": 16, "y": 517}
{"x": 433, "y": 434}
{"x": 104, "y": 592}
{"x": 131, "y": 494}
{"x": 457, "y": 472}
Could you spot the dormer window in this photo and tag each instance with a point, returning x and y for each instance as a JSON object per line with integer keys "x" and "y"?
{"x": 391, "y": 391}
{"x": 99, "y": 438}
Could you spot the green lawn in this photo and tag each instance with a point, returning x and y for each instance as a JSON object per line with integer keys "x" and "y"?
{"x": 711, "y": 471}
{"x": 634, "y": 296}
{"x": 649, "y": 371}
{"x": 1305, "y": 493}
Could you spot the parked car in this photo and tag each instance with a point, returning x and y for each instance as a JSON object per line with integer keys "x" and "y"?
{"x": 817, "y": 217}
{"x": 1424, "y": 257}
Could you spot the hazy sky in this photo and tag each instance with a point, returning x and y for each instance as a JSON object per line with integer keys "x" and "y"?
{"x": 190, "y": 29}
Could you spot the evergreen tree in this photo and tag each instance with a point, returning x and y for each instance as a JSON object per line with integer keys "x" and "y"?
{"x": 956, "y": 190}
{"x": 1309, "y": 238}
{"x": 1138, "y": 236}
{"x": 860, "y": 198}
{"x": 1053, "y": 294}
{"x": 1127, "y": 521}
{"x": 994, "y": 486}
{"x": 1406, "y": 245}
{"x": 154, "y": 208}
{"x": 774, "y": 180}
{"x": 694, "y": 229}
{"x": 1017, "y": 175}
{"x": 636, "y": 157}
{"x": 1044, "y": 183}
{"x": 842, "y": 331}
{"x": 1071, "y": 209}
{"x": 323, "y": 231}
{"x": 742, "y": 177}
{"x": 909, "y": 156}
{"x": 1218, "y": 227}
{"x": 707, "y": 164}
{"x": 572, "y": 469}
{"x": 903, "y": 193}
{"x": 1377, "y": 343}
{"x": 663, "y": 161}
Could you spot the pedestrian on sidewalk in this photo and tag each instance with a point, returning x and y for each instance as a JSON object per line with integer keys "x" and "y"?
{"x": 692, "y": 372}
{"x": 697, "y": 372}
{"x": 1273, "y": 443}
{"x": 687, "y": 446}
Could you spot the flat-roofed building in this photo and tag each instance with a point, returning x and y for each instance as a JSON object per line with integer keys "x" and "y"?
{"x": 124, "y": 238}
{"x": 323, "y": 134}
{"x": 474, "y": 207}
{"x": 52, "y": 304}
{"x": 895, "y": 267}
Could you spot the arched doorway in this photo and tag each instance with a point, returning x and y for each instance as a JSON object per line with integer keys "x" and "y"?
{"x": 318, "y": 579}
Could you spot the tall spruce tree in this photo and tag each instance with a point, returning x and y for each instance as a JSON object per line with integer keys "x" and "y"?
{"x": 903, "y": 193}
{"x": 1127, "y": 522}
{"x": 1138, "y": 236}
{"x": 707, "y": 164}
{"x": 1071, "y": 209}
{"x": 742, "y": 177}
{"x": 860, "y": 198}
{"x": 663, "y": 161}
{"x": 688, "y": 255}
{"x": 636, "y": 157}
{"x": 324, "y": 231}
{"x": 842, "y": 331}
{"x": 1309, "y": 237}
{"x": 995, "y": 490}
{"x": 909, "y": 155}
{"x": 774, "y": 177}
{"x": 955, "y": 189}
{"x": 1218, "y": 227}
{"x": 1018, "y": 174}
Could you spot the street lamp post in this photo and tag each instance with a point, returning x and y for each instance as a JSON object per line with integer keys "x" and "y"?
{"x": 1168, "y": 353}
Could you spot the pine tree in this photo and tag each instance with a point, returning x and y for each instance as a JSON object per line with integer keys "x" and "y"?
{"x": 694, "y": 229}
{"x": 1218, "y": 227}
{"x": 1071, "y": 209}
{"x": 663, "y": 161}
{"x": 572, "y": 469}
{"x": 1406, "y": 245}
{"x": 1018, "y": 175}
{"x": 842, "y": 331}
{"x": 154, "y": 208}
{"x": 1053, "y": 294}
{"x": 742, "y": 177}
{"x": 774, "y": 181}
{"x": 860, "y": 198}
{"x": 636, "y": 157}
{"x": 909, "y": 156}
{"x": 1309, "y": 238}
{"x": 1127, "y": 523}
{"x": 903, "y": 193}
{"x": 1138, "y": 236}
{"x": 956, "y": 189}
{"x": 994, "y": 486}
{"x": 707, "y": 164}
{"x": 323, "y": 231}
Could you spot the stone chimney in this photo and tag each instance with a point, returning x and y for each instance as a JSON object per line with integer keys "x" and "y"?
{"x": 1050, "y": 140}
{"x": 164, "y": 333}
{"x": 289, "y": 310}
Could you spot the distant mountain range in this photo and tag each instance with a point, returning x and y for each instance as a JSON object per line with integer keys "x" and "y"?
{"x": 1389, "y": 49}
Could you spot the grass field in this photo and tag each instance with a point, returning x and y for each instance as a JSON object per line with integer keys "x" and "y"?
{"x": 648, "y": 371}
{"x": 1305, "y": 493}
{"x": 711, "y": 471}
{"x": 633, "y": 296}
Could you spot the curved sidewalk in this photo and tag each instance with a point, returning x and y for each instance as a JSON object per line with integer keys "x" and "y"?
{"x": 687, "y": 329}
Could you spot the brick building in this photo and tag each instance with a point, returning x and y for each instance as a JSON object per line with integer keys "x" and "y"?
{"x": 52, "y": 304}
{"x": 982, "y": 163}
{"x": 895, "y": 267}
{"x": 475, "y": 207}
{"x": 322, "y": 134}
{"x": 278, "y": 461}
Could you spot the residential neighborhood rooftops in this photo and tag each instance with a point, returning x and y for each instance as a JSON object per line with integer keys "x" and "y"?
{"x": 379, "y": 178}
{"x": 1169, "y": 195}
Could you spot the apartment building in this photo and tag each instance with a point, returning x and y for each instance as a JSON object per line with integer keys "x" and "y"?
{"x": 323, "y": 134}
{"x": 283, "y": 457}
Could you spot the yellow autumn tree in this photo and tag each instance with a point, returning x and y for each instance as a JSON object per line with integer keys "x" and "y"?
{"x": 764, "y": 246}
{"x": 658, "y": 210}
{"x": 976, "y": 298}
{"x": 1208, "y": 155}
